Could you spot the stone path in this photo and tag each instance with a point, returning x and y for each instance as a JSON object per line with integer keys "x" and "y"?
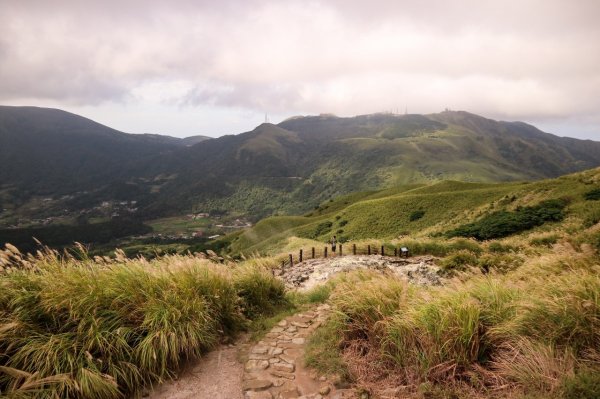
{"x": 274, "y": 367}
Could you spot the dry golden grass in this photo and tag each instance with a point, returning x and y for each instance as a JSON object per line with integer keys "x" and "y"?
{"x": 74, "y": 327}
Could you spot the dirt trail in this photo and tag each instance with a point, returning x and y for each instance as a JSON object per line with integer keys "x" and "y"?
{"x": 218, "y": 375}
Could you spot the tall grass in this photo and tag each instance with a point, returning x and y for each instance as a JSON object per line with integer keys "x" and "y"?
{"x": 104, "y": 329}
{"x": 534, "y": 333}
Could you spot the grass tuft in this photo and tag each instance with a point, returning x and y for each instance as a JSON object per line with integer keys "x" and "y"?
{"x": 104, "y": 329}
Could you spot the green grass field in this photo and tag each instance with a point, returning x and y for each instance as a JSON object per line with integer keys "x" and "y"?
{"x": 442, "y": 206}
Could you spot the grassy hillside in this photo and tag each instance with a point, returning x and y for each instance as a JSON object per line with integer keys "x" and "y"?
{"x": 423, "y": 211}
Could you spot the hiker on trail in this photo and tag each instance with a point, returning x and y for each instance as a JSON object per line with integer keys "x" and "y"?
{"x": 333, "y": 244}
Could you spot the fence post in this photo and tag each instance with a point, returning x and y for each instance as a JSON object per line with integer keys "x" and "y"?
{"x": 313, "y": 252}
{"x": 273, "y": 272}
{"x": 382, "y": 250}
{"x": 291, "y": 260}
{"x": 282, "y": 267}
{"x": 368, "y": 250}
{"x": 340, "y": 249}
{"x": 325, "y": 253}
{"x": 300, "y": 257}
{"x": 353, "y": 249}
{"x": 395, "y": 251}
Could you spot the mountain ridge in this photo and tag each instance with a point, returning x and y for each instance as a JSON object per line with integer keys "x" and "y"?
{"x": 281, "y": 168}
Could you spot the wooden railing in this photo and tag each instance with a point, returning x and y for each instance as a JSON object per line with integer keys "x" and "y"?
{"x": 327, "y": 252}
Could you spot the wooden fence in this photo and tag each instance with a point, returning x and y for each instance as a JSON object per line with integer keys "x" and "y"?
{"x": 342, "y": 250}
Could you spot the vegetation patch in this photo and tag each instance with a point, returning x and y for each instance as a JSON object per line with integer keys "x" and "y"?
{"x": 592, "y": 195}
{"x": 459, "y": 261}
{"x": 544, "y": 241}
{"x": 498, "y": 247}
{"x": 416, "y": 215}
{"x": 504, "y": 223}
{"x": 322, "y": 228}
{"x": 591, "y": 218}
{"x": 583, "y": 385}
{"x": 324, "y": 352}
{"x": 499, "y": 262}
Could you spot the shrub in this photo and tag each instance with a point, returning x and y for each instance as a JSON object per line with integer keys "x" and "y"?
{"x": 416, "y": 215}
{"x": 363, "y": 303}
{"x": 462, "y": 244}
{"x": 318, "y": 294}
{"x": 445, "y": 331}
{"x": 503, "y": 223}
{"x": 323, "y": 351}
{"x": 459, "y": 261}
{"x": 592, "y": 195}
{"x": 565, "y": 312}
{"x": 536, "y": 366}
{"x": 322, "y": 228}
{"x": 596, "y": 241}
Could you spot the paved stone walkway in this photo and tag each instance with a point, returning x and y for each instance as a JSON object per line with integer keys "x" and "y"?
{"x": 274, "y": 368}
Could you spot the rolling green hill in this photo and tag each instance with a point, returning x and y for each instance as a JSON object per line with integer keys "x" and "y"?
{"x": 423, "y": 211}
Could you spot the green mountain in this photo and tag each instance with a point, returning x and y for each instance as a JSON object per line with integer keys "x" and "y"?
{"x": 274, "y": 169}
{"x": 49, "y": 150}
{"x": 294, "y": 166}
{"x": 191, "y": 140}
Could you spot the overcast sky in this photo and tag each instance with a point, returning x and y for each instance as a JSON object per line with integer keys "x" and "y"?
{"x": 216, "y": 67}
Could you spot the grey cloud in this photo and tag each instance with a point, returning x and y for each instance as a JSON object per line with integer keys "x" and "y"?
{"x": 276, "y": 98}
{"x": 534, "y": 59}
